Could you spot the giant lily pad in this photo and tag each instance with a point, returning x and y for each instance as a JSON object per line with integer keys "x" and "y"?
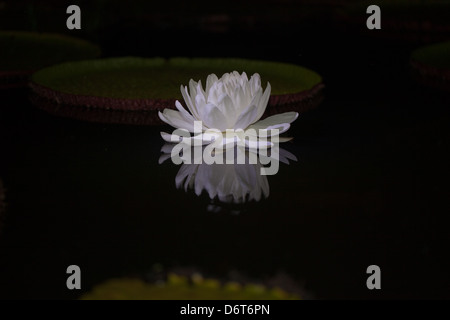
{"x": 431, "y": 65}
{"x": 152, "y": 84}
{"x": 22, "y": 53}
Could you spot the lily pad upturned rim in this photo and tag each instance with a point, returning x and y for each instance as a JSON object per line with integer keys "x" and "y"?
{"x": 146, "y": 117}
{"x": 16, "y": 75}
{"x": 96, "y": 115}
{"x": 40, "y": 81}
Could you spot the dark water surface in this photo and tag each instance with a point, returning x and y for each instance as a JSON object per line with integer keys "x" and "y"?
{"x": 370, "y": 187}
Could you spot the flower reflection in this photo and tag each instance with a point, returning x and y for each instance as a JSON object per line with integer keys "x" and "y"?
{"x": 229, "y": 184}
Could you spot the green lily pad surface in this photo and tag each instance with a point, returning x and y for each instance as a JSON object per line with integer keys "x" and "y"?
{"x": 181, "y": 288}
{"x": 132, "y": 83}
{"x": 24, "y": 52}
{"x": 431, "y": 65}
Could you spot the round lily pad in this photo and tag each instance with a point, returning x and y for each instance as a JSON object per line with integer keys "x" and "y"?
{"x": 184, "y": 288}
{"x": 23, "y": 53}
{"x": 431, "y": 65}
{"x": 132, "y": 83}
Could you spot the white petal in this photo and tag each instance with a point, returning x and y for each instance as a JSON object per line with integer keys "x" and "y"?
{"x": 246, "y": 118}
{"x": 258, "y": 144}
{"x": 212, "y": 78}
{"x": 287, "y": 117}
{"x": 167, "y": 147}
{"x": 270, "y": 131}
{"x": 175, "y": 119}
{"x": 285, "y": 156}
{"x": 200, "y": 89}
{"x": 192, "y": 88}
{"x": 255, "y": 83}
{"x": 264, "y": 185}
{"x": 205, "y": 179}
{"x": 188, "y": 100}
{"x": 263, "y": 102}
{"x": 171, "y": 138}
{"x": 200, "y": 104}
{"x": 246, "y": 175}
{"x": 187, "y": 174}
{"x": 244, "y": 77}
{"x": 229, "y": 110}
{"x": 186, "y": 115}
{"x": 225, "y": 104}
{"x": 163, "y": 158}
{"x": 241, "y": 100}
{"x": 284, "y": 139}
{"x": 200, "y": 139}
{"x": 214, "y": 118}
{"x": 274, "y": 130}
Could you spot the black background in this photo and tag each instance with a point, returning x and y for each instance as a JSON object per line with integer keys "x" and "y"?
{"x": 371, "y": 186}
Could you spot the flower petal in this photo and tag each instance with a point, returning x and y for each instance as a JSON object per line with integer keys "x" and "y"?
{"x": 192, "y": 88}
{"x": 214, "y": 118}
{"x": 176, "y": 120}
{"x": 188, "y": 100}
{"x": 186, "y": 115}
{"x": 200, "y": 89}
{"x": 285, "y": 156}
{"x": 241, "y": 100}
{"x": 186, "y": 174}
{"x": 274, "y": 130}
{"x": 163, "y": 158}
{"x": 284, "y": 139}
{"x": 171, "y": 138}
{"x": 264, "y": 101}
{"x": 167, "y": 147}
{"x": 287, "y": 117}
{"x": 210, "y": 80}
{"x": 200, "y": 139}
{"x": 246, "y": 118}
{"x": 255, "y": 83}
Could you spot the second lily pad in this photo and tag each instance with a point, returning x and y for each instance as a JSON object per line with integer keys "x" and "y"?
{"x": 22, "y": 53}
{"x": 151, "y": 84}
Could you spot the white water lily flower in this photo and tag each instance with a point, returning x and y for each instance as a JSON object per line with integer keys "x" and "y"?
{"x": 231, "y": 102}
{"x": 227, "y": 183}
